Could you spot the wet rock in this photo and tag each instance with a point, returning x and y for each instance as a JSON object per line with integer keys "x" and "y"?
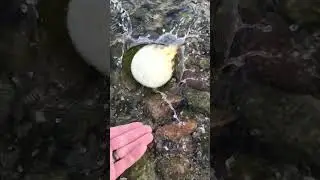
{"x": 16, "y": 50}
{"x": 49, "y": 176}
{"x": 199, "y": 100}
{"x": 7, "y": 94}
{"x": 221, "y": 118}
{"x": 250, "y": 167}
{"x": 285, "y": 122}
{"x": 226, "y": 24}
{"x": 272, "y": 35}
{"x": 302, "y": 12}
{"x": 250, "y": 11}
{"x": 159, "y": 109}
{"x": 197, "y": 80}
{"x": 23, "y": 129}
{"x": 177, "y": 131}
{"x": 143, "y": 169}
{"x": 274, "y": 56}
{"x": 9, "y": 12}
{"x": 271, "y": 71}
{"x": 185, "y": 145}
{"x": 204, "y": 64}
{"x": 178, "y": 167}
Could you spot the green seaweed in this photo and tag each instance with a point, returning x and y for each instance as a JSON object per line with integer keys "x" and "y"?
{"x": 144, "y": 169}
{"x": 126, "y": 75}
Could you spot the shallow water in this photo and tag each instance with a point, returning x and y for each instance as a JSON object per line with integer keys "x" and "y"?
{"x": 166, "y": 22}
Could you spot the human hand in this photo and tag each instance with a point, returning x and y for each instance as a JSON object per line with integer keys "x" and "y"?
{"x": 128, "y": 143}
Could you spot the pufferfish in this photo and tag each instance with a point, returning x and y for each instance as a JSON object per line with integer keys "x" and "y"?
{"x": 153, "y": 65}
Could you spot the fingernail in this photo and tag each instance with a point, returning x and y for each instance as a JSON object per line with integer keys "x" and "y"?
{"x": 137, "y": 122}
{"x": 148, "y": 128}
{"x": 151, "y": 137}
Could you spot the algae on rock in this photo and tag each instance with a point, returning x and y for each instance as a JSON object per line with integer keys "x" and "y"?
{"x": 144, "y": 169}
{"x": 199, "y": 100}
{"x": 302, "y": 12}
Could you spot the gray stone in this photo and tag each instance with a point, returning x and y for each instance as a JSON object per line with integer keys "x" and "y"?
{"x": 200, "y": 100}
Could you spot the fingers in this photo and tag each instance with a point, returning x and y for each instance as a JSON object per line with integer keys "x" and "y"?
{"x": 129, "y": 137}
{"x": 142, "y": 141}
{"x": 130, "y": 159}
{"x": 116, "y": 131}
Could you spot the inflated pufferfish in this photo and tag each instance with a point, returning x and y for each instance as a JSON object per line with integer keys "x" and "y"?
{"x": 87, "y": 27}
{"x": 153, "y": 65}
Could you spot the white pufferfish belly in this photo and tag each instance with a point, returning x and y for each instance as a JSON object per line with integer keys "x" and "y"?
{"x": 87, "y": 27}
{"x": 151, "y": 67}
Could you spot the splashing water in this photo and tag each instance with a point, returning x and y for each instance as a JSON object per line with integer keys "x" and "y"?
{"x": 161, "y": 23}
{"x": 164, "y": 97}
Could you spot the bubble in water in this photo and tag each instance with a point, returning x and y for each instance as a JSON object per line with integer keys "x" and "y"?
{"x": 267, "y": 28}
{"x": 293, "y": 27}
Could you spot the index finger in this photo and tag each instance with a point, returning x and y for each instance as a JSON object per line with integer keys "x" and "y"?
{"x": 118, "y": 130}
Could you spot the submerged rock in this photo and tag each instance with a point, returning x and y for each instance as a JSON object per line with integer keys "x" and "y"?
{"x": 7, "y": 95}
{"x": 276, "y": 56}
{"x": 199, "y": 100}
{"x": 177, "y": 167}
{"x": 144, "y": 169}
{"x": 249, "y": 167}
{"x": 302, "y": 12}
{"x": 49, "y": 176}
{"x": 159, "y": 109}
{"x": 269, "y": 114}
{"x": 177, "y": 131}
{"x": 286, "y": 124}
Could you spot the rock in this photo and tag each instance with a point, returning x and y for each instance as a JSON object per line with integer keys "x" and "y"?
{"x": 185, "y": 145}
{"x": 49, "y": 176}
{"x": 285, "y": 122}
{"x": 302, "y": 12}
{"x": 159, "y": 109}
{"x": 271, "y": 71}
{"x": 178, "y": 167}
{"x": 9, "y": 12}
{"x": 272, "y": 37}
{"x": 250, "y": 167}
{"x": 272, "y": 57}
{"x": 177, "y": 131}
{"x": 226, "y": 23}
{"x": 221, "y": 118}
{"x": 199, "y": 100}
{"x": 197, "y": 80}
{"x": 144, "y": 169}
{"x": 204, "y": 64}
{"x": 7, "y": 95}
